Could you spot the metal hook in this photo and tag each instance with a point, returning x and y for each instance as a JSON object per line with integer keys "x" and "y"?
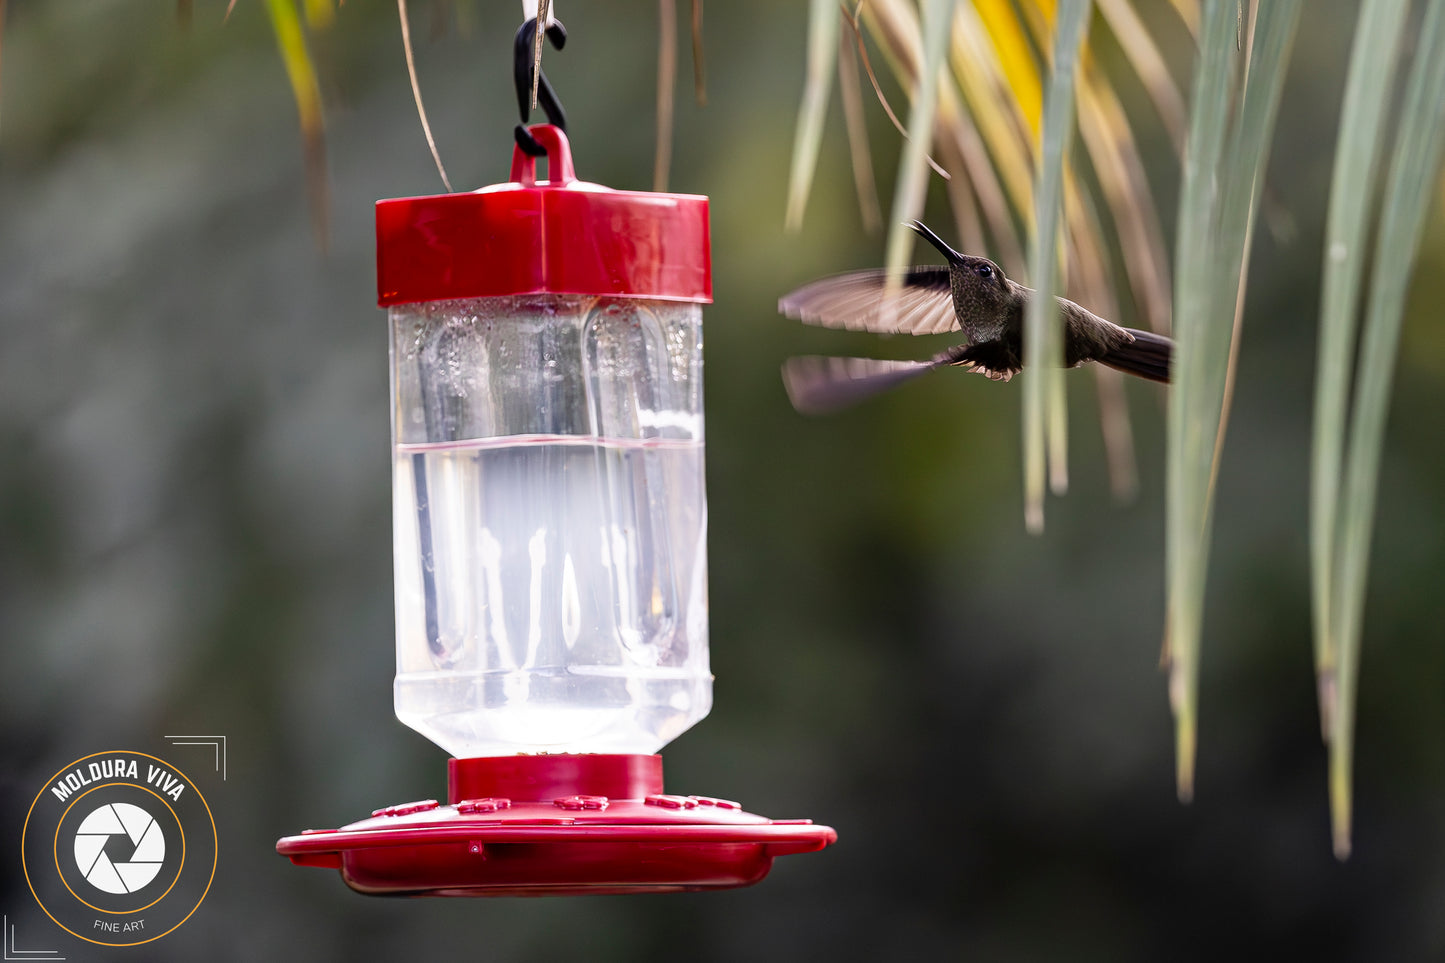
{"x": 522, "y": 64}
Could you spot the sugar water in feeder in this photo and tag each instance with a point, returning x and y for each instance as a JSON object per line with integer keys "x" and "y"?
{"x": 550, "y": 523}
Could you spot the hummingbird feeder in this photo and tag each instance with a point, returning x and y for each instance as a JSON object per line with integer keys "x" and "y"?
{"x": 550, "y": 521}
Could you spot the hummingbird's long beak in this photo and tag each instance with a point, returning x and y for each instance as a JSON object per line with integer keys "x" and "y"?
{"x": 938, "y": 242}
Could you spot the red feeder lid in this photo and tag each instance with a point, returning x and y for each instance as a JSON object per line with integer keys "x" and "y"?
{"x": 560, "y": 235}
{"x": 555, "y": 826}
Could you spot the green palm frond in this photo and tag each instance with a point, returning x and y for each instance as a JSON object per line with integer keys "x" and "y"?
{"x": 1405, "y": 205}
{"x": 1377, "y": 41}
{"x": 301, "y": 71}
{"x": 908, "y": 193}
{"x": 1043, "y": 406}
{"x": 1226, "y": 152}
{"x": 993, "y": 121}
{"x": 822, "y": 56}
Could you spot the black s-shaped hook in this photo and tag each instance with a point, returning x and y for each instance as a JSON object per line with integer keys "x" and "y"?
{"x": 523, "y": 53}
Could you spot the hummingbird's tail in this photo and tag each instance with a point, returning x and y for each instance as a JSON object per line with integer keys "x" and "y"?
{"x": 818, "y": 385}
{"x": 1149, "y": 356}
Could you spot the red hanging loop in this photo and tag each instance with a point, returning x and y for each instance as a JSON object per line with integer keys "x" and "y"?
{"x": 559, "y": 158}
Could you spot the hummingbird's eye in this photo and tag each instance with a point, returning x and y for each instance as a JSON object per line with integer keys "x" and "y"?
{"x": 984, "y": 271}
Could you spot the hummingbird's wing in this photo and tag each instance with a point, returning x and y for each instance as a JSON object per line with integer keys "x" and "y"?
{"x": 923, "y": 305}
{"x": 818, "y": 385}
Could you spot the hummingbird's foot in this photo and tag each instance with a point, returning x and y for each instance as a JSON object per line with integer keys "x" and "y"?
{"x": 992, "y": 374}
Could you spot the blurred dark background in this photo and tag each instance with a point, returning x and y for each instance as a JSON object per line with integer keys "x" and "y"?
{"x": 195, "y": 527}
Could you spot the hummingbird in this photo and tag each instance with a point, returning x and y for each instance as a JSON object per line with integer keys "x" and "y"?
{"x": 970, "y": 294}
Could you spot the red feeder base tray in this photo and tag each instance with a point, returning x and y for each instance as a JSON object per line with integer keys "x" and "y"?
{"x": 559, "y": 825}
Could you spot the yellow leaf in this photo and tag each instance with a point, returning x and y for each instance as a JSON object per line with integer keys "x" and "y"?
{"x": 1015, "y": 57}
{"x": 320, "y": 14}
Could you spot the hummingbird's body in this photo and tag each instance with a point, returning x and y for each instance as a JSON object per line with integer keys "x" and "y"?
{"x": 970, "y": 295}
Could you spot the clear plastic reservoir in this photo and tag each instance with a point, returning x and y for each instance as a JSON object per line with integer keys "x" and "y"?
{"x": 550, "y": 523}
